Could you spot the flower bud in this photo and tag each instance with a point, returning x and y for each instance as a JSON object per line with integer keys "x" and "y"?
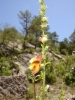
{"x": 41, "y": 1}
{"x": 42, "y": 13}
{"x": 43, "y": 7}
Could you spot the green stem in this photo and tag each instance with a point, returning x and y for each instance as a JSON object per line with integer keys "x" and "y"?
{"x": 43, "y": 91}
{"x": 34, "y": 88}
{"x": 43, "y": 32}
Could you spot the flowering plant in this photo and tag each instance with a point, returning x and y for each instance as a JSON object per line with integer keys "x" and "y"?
{"x": 40, "y": 60}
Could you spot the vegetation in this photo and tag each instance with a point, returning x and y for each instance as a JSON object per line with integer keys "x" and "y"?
{"x": 10, "y": 38}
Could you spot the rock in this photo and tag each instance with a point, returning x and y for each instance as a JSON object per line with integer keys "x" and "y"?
{"x": 58, "y": 56}
{"x": 11, "y": 86}
{"x": 30, "y": 45}
{"x": 73, "y": 98}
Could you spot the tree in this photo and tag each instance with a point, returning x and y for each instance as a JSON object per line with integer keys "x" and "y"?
{"x": 35, "y": 26}
{"x": 1, "y": 32}
{"x": 25, "y": 19}
{"x": 72, "y": 40}
{"x": 53, "y": 38}
{"x": 10, "y": 35}
{"x": 63, "y": 48}
{"x": 35, "y": 29}
{"x": 72, "y": 37}
{"x": 4, "y": 35}
{"x": 66, "y": 41}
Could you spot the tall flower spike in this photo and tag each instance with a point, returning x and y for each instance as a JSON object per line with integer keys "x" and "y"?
{"x": 43, "y": 39}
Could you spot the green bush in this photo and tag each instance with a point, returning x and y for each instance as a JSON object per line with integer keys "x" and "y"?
{"x": 14, "y": 52}
{"x": 63, "y": 51}
{"x": 60, "y": 69}
{"x": 64, "y": 66}
{"x": 4, "y": 67}
{"x": 69, "y": 78}
{"x": 6, "y": 72}
{"x": 30, "y": 92}
{"x": 15, "y": 66}
{"x": 2, "y": 53}
{"x": 50, "y": 75}
{"x": 29, "y": 75}
{"x": 64, "y": 70}
{"x": 29, "y": 50}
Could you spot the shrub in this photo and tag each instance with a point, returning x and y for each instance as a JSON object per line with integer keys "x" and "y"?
{"x": 6, "y": 72}
{"x": 64, "y": 66}
{"x": 30, "y": 92}
{"x": 60, "y": 69}
{"x": 29, "y": 50}
{"x": 50, "y": 75}
{"x": 69, "y": 78}
{"x": 64, "y": 70}
{"x": 29, "y": 75}
{"x": 15, "y": 66}
{"x": 4, "y": 67}
{"x": 2, "y": 53}
{"x": 14, "y": 51}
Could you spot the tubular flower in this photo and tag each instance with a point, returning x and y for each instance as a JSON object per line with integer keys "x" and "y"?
{"x": 35, "y": 63}
{"x": 43, "y": 39}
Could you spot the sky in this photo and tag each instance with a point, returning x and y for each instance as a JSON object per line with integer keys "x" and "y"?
{"x": 60, "y": 13}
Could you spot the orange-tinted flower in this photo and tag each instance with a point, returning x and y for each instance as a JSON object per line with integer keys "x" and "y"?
{"x": 44, "y": 25}
{"x": 43, "y": 39}
{"x": 39, "y": 57}
{"x": 35, "y": 63}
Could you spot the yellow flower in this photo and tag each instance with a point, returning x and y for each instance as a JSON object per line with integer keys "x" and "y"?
{"x": 35, "y": 64}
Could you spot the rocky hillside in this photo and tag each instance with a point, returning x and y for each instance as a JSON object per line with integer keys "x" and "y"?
{"x": 13, "y": 86}
{"x": 17, "y": 86}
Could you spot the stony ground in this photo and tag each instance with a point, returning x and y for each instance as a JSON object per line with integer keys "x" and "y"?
{"x": 54, "y": 92}
{"x": 13, "y": 86}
